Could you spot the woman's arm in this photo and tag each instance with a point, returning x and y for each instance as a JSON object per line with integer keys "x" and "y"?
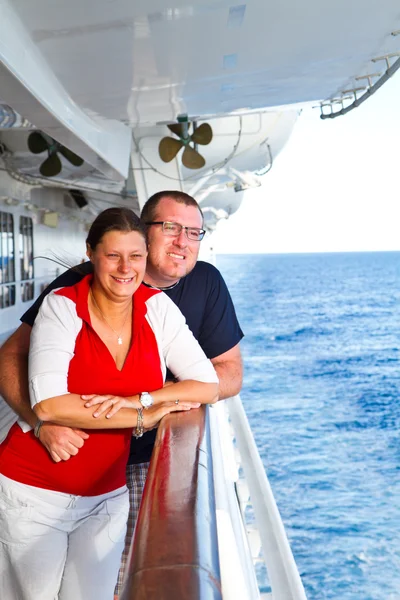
{"x": 52, "y": 347}
{"x": 189, "y": 393}
{"x": 69, "y": 409}
{"x": 186, "y": 391}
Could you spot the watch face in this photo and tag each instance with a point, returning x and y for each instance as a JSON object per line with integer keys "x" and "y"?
{"x": 146, "y": 400}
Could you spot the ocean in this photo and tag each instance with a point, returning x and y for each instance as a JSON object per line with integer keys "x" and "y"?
{"x": 321, "y": 391}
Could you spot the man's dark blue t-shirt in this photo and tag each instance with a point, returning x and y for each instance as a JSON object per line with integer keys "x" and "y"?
{"x": 204, "y": 300}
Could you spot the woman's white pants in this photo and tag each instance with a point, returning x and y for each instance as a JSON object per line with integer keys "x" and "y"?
{"x": 55, "y": 545}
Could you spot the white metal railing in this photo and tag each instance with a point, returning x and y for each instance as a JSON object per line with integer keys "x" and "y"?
{"x": 237, "y": 569}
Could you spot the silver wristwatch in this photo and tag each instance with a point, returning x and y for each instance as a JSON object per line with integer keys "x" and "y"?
{"x": 146, "y": 399}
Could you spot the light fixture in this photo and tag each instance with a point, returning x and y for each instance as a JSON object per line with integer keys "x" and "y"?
{"x": 10, "y": 201}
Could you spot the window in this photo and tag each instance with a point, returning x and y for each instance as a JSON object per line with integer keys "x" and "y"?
{"x": 26, "y": 258}
{"x": 7, "y": 264}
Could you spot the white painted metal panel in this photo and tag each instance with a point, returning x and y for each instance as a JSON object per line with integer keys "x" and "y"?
{"x": 148, "y": 61}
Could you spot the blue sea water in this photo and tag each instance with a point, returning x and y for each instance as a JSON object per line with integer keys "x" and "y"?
{"x": 321, "y": 390}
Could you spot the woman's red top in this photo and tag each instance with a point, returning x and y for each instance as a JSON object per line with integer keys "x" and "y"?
{"x": 99, "y": 467}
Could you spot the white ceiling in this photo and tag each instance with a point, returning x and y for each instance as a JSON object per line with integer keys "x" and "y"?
{"x": 149, "y": 60}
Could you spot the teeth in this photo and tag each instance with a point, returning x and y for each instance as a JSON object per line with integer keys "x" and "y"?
{"x": 123, "y": 280}
{"x": 179, "y": 256}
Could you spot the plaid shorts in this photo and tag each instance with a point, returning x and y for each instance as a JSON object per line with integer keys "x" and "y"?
{"x": 135, "y": 480}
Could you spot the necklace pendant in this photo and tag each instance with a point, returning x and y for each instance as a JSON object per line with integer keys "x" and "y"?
{"x": 119, "y": 341}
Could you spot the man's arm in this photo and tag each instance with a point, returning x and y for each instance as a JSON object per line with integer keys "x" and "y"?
{"x": 219, "y": 332}
{"x": 14, "y": 373}
{"x": 229, "y": 369}
{"x": 61, "y": 442}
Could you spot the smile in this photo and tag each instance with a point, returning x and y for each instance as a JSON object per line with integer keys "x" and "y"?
{"x": 177, "y": 256}
{"x": 123, "y": 281}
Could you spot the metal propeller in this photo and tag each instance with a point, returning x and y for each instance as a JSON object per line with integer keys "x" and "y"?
{"x": 191, "y": 158}
{"x": 39, "y": 142}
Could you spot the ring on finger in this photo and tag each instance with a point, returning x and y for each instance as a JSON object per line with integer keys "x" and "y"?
{"x": 177, "y": 401}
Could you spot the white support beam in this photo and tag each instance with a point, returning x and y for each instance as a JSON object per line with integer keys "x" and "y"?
{"x": 30, "y": 87}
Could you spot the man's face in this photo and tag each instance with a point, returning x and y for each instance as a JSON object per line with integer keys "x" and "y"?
{"x": 171, "y": 258}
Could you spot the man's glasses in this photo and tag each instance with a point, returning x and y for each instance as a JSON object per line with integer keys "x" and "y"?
{"x": 174, "y": 229}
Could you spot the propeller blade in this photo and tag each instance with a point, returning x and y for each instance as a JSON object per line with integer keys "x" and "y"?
{"x": 37, "y": 143}
{"x": 73, "y": 158}
{"x": 178, "y": 129}
{"x": 191, "y": 159}
{"x": 51, "y": 166}
{"x": 168, "y": 148}
{"x": 203, "y": 135}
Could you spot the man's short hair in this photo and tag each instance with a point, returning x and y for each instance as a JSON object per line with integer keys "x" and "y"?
{"x": 148, "y": 213}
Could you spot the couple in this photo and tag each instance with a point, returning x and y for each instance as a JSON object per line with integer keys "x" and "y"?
{"x": 79, "y": 328}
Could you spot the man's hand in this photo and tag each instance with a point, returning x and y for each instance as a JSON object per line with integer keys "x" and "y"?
{"x": 61, "y": 442}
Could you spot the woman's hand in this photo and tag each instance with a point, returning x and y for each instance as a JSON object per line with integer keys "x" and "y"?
{"x": 109, "y": 403}
{"x": 153, "y": 415}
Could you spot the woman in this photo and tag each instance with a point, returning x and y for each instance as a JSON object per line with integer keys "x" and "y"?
{"x": 62, "y": 525}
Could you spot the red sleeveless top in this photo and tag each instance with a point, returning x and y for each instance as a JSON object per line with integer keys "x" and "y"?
{"x": 99, "y": 467}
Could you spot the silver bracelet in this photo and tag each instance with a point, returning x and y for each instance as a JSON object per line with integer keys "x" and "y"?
{"x": 139, "y": 429}
{"x": 36, "y": 429}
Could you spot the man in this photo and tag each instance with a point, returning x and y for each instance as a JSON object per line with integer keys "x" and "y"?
{"x": 175, "y": 224}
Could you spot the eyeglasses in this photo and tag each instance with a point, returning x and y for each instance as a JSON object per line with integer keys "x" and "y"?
{"x": 174, "y": 229}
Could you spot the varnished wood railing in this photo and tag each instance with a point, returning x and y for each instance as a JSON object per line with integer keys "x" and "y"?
{"x": 175, "y": 550}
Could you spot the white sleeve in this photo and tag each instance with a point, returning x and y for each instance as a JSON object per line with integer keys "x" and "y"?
{"x": 52, "y": 347}
{"x": 179, "y": 350}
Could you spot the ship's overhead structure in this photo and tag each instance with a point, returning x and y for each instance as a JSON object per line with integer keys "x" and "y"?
{"x": 104, "y": 79}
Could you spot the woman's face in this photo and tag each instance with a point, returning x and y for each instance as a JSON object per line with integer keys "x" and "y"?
{"x": 119, "y": 261}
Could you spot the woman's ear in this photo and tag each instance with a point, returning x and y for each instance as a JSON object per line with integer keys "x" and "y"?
{"x": 89, "y": 252}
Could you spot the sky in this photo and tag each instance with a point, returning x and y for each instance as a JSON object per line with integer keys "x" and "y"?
{"x": 335, "y": 186}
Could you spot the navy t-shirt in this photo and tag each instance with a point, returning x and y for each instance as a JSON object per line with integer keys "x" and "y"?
{"x": 204, "y": 300}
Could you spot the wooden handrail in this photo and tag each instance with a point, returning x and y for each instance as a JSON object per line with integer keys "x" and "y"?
{"x": 175, "y": 549}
